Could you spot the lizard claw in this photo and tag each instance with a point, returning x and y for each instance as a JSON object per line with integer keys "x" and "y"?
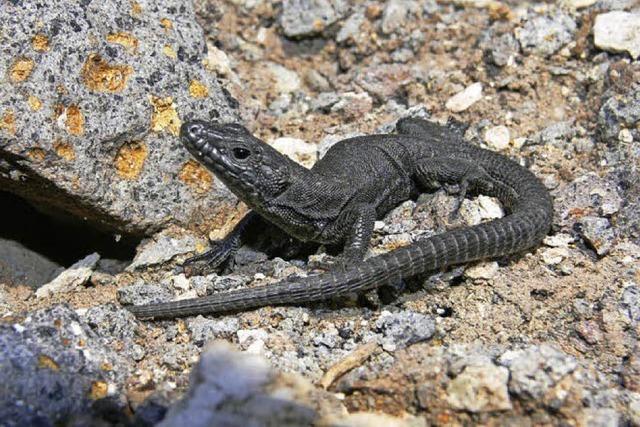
{"x": 211, "y": 260}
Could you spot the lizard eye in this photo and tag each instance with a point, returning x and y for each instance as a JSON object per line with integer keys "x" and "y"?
{"x": 241, "y": 153}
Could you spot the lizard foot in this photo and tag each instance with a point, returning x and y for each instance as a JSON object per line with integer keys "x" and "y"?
{"x": 212, "y": 260}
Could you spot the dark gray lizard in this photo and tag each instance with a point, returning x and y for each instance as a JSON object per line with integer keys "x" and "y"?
{"x": 337, "y": 202}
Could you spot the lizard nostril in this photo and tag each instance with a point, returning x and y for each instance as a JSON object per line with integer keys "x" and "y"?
{"x": 192, "y": 130}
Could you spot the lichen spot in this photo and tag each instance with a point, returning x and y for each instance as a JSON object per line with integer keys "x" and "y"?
{"x": 74, "y": 120}
{"x": 318, "y": 25}
{"x": 166, "y": 24}
{"x": 124, "y": 39}
{"x": 136, "y": 9}
{"x": 64, "y": 150}
{"x": 100, "y": 76}
{"x": 8, "y": 122}
{"x": 21, "y": 69}
{"x": 197, "y": 89}
{"x": 47, "y": 362}
{"x": 196, "y": 177}
{"x": 130, "y": 159}
{"x": 164, "y": 115}
{"x": 34, "y": 103}
{"x": 40, "y": 43}
{"x": 99, "y": 390}
{"x": 169, "y": 52}
{"x": 36, "y": 154}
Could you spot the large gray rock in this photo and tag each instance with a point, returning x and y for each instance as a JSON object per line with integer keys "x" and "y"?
{"x": 54, "y": 369}
{"x": 92, "y": 95}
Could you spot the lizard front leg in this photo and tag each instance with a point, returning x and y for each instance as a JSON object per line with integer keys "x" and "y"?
{"x": 222, "y": 250}
{"x": 355, "y": 226}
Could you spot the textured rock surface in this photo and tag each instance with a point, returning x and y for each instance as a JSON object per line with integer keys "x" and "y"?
{"x": 70, "y": 279}
{"x": 544, "y": 35}
{"x": 302, "y": 18}
{"x": 19, "y": 264}
{"x": 92, "y": 96}
{"x": 54, "y": 367}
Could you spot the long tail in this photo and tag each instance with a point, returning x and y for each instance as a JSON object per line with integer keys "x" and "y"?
{"x": 521, "y": 230}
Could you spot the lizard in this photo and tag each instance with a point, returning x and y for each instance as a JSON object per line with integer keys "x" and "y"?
{"x": 338, "y": 200}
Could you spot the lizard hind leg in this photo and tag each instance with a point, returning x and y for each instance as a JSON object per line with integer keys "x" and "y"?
{"x": 466, "y": 173}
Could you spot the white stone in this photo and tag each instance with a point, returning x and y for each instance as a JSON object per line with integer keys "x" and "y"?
{"x": 465, "y": 99}
{"x": 625, "y": 135}
{"x": 578, "y": 4}
{"x": 554, "y": 256}
{"x": 244, "y": 335}
{"x": 497, "y": 137}
{"x": 256, "y": 347}
{"x": 287, "y": 81}
{"x": 180, "y": 282}
{"x": 187, "y": 295}
{"x": 561, "y": 240}
{"x": 297, "y": 150}
{"x": 618, "y": 32}
{"x": 70, "y": 279}
{"x": 218, "y": 61}
{"x": 485, "y": 270}
{"x": 489, "y": 207}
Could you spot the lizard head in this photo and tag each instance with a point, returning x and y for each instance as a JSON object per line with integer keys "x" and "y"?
{"x": 250, "y": 168}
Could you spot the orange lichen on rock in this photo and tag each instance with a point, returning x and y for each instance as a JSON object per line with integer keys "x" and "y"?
{"x": 100, "y": 76}
{"x": 169, "y": 52}
{"x": 196, "y": 177}
{"x": 99, "y": 390}
{"x": 197, "y": 89}
{"x": 124, "y": 39}
{"x": 40, "y": 43}
{"x": 166, "y": 24}
{"x": 21, "y": 69}
{"x": 36, "y": 154}
{"x": 47, "y": 362}
{"x": 34, "y": 103}
{"x": 74, "y": 120}
{"x": 8, "y": 122}
{"x": 136, "y": 9}
{"x": 64, "y": 150}
{"x": 130, "y": 159}
{"x": 165, "y": 115}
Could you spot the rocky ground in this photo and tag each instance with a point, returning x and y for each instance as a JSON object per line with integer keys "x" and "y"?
{"x": 91, "y": 100}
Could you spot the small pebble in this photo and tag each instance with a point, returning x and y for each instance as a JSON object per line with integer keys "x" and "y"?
{"x": 554, "y": 256}
{"x": 465, "y": 99}
{"x": 497, "y": 137}
{"x": 618, "y": 31}
{"x": 485, "y": 270}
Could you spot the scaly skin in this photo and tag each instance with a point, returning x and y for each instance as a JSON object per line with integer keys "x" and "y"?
{"x": 358, "y": 181}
